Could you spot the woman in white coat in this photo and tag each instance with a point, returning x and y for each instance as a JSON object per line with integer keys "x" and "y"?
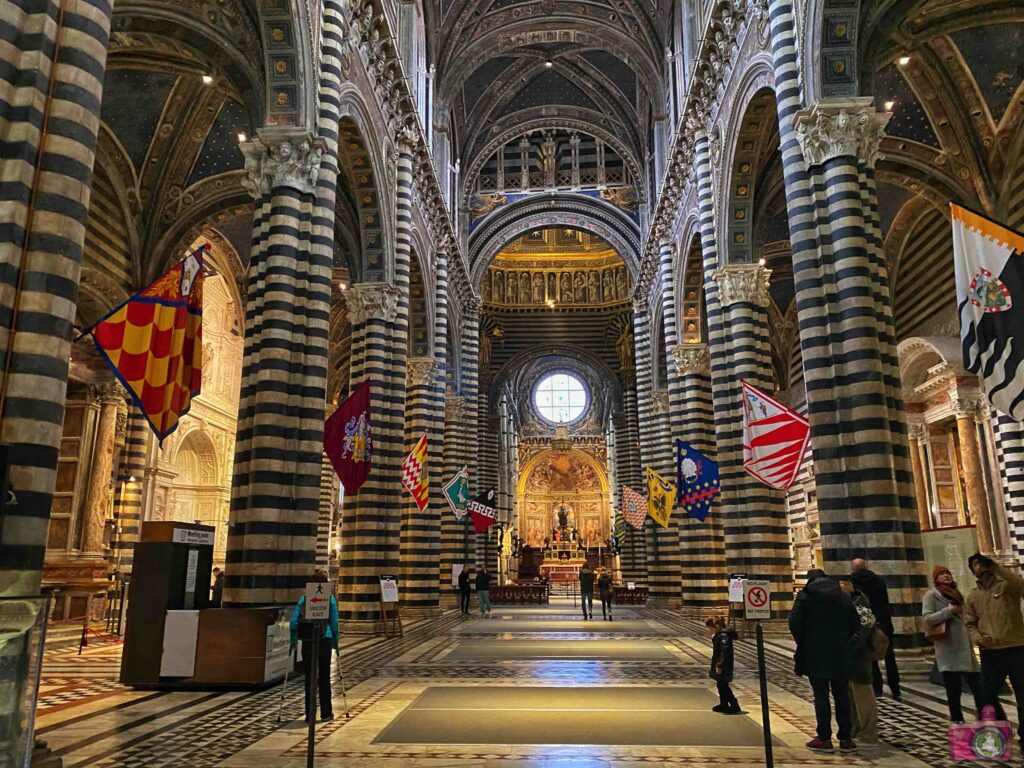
{"x": 954, "y": 654}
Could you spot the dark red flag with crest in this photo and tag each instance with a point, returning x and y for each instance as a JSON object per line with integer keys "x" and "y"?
{"x": 347, "y": 439}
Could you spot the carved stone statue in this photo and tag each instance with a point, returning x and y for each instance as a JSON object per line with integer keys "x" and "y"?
{"x": 538, "y": 288}
{"x": 581, "y": 288}
{"x": 592, "y": 285}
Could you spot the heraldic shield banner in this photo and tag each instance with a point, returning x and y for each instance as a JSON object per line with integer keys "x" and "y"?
{"x": 347, "y": 439}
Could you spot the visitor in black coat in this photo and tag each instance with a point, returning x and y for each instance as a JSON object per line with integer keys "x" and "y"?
{"x": 873, "y": 587}
{"x": 824, "y": 622}
{"x": 464, "y": 591}
{"x": 604, "y": 586}
{"x": 483, "y": 591}
{"x": 722, "y": 664}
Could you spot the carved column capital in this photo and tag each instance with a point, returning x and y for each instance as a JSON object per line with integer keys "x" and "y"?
{"x": 455, "y": 408}
{"x": 965, "y": 407}
{"x": 422, "y": 371}
{"x": 371, "y": 301}
{"x": 109, "y": 393}
{"x": 743, "y": 283}
{"x": 691, "y": 359}
{"x": 660, "y": 400}
{"x": 282, "y": 158}
{"x": 833, "y": 128}
{"x": 917, "y": 431}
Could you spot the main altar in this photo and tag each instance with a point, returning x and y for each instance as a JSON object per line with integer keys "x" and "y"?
{"x": 564, "y": 551}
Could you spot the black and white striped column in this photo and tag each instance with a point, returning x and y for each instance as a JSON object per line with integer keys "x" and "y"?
{"x": 633, "y": 558}
{"x": 1009, "y": 444}
{"x": 54, "y": 58}
{"x": 369, "y": 545}
{"x": 131, "y": 477}
{"x": 275, "y": 495}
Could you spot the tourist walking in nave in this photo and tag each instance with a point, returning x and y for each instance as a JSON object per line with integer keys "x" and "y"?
{"x": 483, "y": 591}
{"x": 604, "y": 586}
{"x": 863, "y": 707}
{"x": 943, "y": 609}
{"x": 464, "y": 591}
{"x": 587, "y": 591}
{"x": 303, "y": 630}
{"x": 874, "y": 587}
{"x": 993, "y": 616}
{"x": 722, "y": 664}
{"x": 823, "y": 621}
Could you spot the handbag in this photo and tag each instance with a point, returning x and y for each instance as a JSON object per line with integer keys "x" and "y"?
{"x": 938, "y": 631}
{"x": 987, "y": 739}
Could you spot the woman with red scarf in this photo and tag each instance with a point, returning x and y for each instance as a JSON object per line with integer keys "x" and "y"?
{"x": 943, "y": 608}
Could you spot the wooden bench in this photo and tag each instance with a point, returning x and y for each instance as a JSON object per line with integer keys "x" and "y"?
{"x": 519, "y": 594}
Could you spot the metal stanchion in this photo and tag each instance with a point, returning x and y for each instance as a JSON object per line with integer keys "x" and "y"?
{"x": 311, "y": 692}
{"x": 769, "y": 758}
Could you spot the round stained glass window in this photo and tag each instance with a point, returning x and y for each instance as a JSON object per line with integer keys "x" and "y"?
{"x": 560, "y": 398}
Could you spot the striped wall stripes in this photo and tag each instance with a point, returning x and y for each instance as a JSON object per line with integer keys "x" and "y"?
{"x": 51, "y": 86}
{"x": 325, "y": 517}
{"x": 487, "y": 477}
{"x": 1009, "y": 442}
{"x": 128, "y": 507}
{"x": 633, "y": 558}
{"x": 862, "y": 464}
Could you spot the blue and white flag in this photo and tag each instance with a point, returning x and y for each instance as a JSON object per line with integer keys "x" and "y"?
{"x": 696, "y": 480}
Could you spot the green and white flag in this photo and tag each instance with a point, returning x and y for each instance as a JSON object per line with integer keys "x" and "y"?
{"x": 456, "y": 491}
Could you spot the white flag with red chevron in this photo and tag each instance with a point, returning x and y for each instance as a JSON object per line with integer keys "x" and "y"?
{"x": 775, "y": 439}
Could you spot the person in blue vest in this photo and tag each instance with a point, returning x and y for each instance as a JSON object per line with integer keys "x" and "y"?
{"x": 303, "y": 630}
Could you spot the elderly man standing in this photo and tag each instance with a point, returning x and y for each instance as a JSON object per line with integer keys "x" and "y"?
{"x": 874, "y": 588}
{"x": 993, "y": 617}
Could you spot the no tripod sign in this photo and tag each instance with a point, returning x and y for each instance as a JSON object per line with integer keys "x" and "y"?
{"x": 757, "y": 599}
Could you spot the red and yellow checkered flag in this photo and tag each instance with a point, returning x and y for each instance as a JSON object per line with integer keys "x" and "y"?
{"x": 154, "y": 343}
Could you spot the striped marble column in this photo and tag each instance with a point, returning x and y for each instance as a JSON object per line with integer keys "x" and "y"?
{"x": 1009, "y": 444}
{"x": 54, "y": 58}
{"x": 369, "y": 546}
{"x": 705, "y": 575}
{"x": 275, "y": 495}
{"x": 325, "y": 517}
{"x": 420, "y": 537}
{"x": 128, "y": 509}
{"x": 453, "y": 531}
{"x": 661, "y": 544}
{"x": 630, "y": 472}
{"x": 486, "y": 478}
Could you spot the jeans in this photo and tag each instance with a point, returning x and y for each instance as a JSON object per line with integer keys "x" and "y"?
{"x": 606, "y": 606}
{"x": 725, "y": 695}
{"x": 323, "y": 677}
{"x": 996, "y": 665}
{"x": 951, "y": 680}
{"x": 483, "y": 599}
{"x": 823, "y": 710}
{"x": 587, "y": 598}
{"x": 892, "y": 674}
{"x": 464, "y": 603}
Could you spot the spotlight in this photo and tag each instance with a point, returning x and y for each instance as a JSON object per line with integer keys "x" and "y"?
{"x": 131, "y": 478}
{"x": 549, "y": 63}
{"x": 903, "y": 60}
{"x": 242, "y": 137}
{"x": 761, "y": 262}
{"x": 207, "y": 79}
{"x": 343, "y": 285}
{"x": 887, "y": 106}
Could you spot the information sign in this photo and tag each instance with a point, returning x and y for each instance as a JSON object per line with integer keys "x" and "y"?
{"x": 318, "y": 600}
{"x": 456, "y": 570}
{"x": 736, "y": 587}
{"x": 757, "y": 599}
{"x": 388, "y": 589}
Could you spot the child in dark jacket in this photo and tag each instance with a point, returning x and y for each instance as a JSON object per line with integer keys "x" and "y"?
{"x": 722, "y": 662}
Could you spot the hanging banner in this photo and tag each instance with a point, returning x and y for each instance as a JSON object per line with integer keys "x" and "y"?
{"x": 414, "y": 474}
{"x": 661, "y": 498}
{"x": 634, "y": 507}
{"x": 482, "y": 511}
{"x": 696, "y": 480}
{"x": 775, "y": 439}
{"x": 456, "y": 492}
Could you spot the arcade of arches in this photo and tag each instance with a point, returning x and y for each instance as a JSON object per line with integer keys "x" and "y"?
{"x": 553, "y": 236}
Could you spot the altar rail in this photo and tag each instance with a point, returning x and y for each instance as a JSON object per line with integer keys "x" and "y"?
{"x": 519, "y": 593}
{"x": 626, "y": 596}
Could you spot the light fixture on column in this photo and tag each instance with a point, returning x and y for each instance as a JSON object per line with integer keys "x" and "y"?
{"x": 887, "y": 106}
{"x": 549, "y": 63}
{"x": 242, "y": 137}
{"x": 903, "y": 60}
{"x": 207, "y": 79}
{"x": 131, "y": 478}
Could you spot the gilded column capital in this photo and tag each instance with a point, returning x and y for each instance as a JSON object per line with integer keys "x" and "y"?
{"x": 833, "y": 128}
{"x": 691, "y": 359}
{"x": 282, "y": 158}
{"x": 371, "y": 301}
{"x": 422, "y": 371}
{"x": 743, "y": 283}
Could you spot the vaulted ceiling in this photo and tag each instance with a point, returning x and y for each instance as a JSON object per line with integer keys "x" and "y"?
{"x": 503, "y": 64}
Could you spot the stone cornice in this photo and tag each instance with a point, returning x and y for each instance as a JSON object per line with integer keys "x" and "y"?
{"x": 833, "y": 128}
{"x": 747, "y": 283}
{"x": 371, "y": 301}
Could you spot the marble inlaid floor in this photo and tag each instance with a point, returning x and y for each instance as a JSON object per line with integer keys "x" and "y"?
{"x": 532, "y": 686}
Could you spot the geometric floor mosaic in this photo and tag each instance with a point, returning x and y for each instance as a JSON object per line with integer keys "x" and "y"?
{"x": 630, "y": 693}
